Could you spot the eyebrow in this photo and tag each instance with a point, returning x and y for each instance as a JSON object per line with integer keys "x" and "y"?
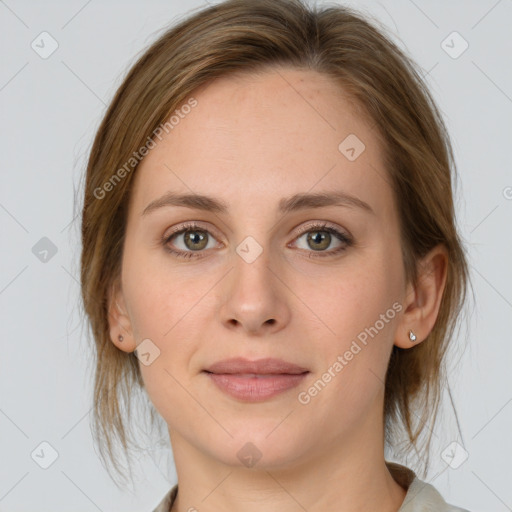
{"x": 286, "y": 205}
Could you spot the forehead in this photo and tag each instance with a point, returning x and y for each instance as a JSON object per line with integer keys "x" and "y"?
{"x": 252, "y": 136}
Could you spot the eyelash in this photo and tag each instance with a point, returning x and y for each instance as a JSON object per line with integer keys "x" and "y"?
{"x": 192, "y": 226}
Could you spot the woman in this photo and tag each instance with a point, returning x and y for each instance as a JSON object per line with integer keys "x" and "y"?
{"x": 270, "y": 251}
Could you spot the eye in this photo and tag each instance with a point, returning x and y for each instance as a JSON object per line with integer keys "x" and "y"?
{"x": 189, "y": 241}
{"x": 319, "y": 237}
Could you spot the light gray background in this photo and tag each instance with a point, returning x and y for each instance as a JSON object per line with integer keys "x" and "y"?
{"x": 50, "y": 111}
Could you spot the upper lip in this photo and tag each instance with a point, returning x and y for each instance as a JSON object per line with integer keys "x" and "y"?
{"x": 259, "y": 366}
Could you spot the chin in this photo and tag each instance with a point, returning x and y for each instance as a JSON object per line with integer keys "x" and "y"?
{"x": 255, "y": 448}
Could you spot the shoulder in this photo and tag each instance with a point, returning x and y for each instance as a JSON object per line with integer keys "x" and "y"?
{"x": 421, "y": 496}
{"x": 167, "y": 501}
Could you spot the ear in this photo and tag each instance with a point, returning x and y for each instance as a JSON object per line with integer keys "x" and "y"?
{"x": 119, "y": 320}
{"x": 423, "y": 299}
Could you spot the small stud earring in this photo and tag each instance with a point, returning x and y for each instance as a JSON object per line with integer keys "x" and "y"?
{"x": 120, "y": 338}
{"x": 412, "y": 336}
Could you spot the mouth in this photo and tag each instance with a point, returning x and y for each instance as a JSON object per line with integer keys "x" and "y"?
{"x": 255, "y": 381}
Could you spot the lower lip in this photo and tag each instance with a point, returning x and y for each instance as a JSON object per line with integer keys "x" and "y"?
{"x": 255, "y": 389}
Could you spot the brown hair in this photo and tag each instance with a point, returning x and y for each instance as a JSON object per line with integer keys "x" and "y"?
{"x": 241, "y": 36}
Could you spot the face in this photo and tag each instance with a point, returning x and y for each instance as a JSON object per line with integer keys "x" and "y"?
{"x": 294, "y": 255}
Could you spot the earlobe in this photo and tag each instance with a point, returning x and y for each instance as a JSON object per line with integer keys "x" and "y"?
{"x": 423, "y": 299}
{"x": 119, "y": 322}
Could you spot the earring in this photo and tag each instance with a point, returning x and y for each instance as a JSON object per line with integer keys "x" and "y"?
{"x": 412, "y": 336}
{"x": 120, "y": 338}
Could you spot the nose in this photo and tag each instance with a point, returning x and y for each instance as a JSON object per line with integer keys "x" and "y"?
{"x": 254, "y": 299}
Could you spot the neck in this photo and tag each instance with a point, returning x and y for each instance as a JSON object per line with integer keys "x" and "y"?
{"x": 348, "y": 475}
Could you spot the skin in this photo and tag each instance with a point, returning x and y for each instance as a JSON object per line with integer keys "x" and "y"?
{"x": 251, "y": 141}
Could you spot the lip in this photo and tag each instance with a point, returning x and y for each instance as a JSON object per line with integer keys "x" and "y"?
{"x": 265, "y": 366}
{"x": 255, "y": 381}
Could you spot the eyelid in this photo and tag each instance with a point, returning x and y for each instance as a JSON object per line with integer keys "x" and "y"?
{"x": 313, "y": 224}
{"x": 318, "y": 224}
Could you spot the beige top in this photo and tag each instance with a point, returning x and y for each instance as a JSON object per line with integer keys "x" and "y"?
{"x": 420, "y": 497}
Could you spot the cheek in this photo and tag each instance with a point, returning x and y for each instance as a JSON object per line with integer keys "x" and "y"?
{"x": 352, "y": 363}
{"x": 167, "y": 307}
{"x": 356, "y": 311}
{"x": 348, "y": 300}
{"x": 159, "y": 296}
{"x": 164, "y": 309}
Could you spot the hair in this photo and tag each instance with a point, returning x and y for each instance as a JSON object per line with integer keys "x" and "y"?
{"x": 253, "y": 36}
